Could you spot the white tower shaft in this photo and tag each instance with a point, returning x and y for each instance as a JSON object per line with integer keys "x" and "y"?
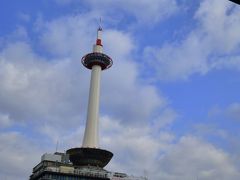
{"x": 91, "y": 131}
{"x": 90, "y": 138}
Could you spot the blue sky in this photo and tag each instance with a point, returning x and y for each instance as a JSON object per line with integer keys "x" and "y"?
{"x": 170, "y": 103}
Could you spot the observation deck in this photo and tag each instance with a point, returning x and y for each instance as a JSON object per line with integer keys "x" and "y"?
{"x": 96, "y": 58}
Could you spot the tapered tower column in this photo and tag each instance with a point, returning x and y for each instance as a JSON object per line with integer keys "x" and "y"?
{"x": 91, "y": 131}
{"x": 90, "y": 153}
{"x": 96, "y": 61}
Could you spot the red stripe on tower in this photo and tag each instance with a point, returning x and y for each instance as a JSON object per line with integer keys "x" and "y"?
{"x": 99, "y": 42}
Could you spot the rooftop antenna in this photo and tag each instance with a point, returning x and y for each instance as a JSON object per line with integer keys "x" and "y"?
{"x": 145, "y": 174}
{"x": 57, "y": 146}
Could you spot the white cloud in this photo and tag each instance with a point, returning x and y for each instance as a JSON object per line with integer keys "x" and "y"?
{"x": 192, "y": 158}
{"x": 234, "y": 111}
{"x": 68, "y": 35}
{"x": 218, "y": 20}
{"x": 209, "y": 130}
{"x": 166, "y": 117}
{"x": 63, "y": 2}
{"x": 5, "y": 121}
{"x": 36, "y": 90}
{"x": 138, "y": 151}
{"x": 18, "y": 156}
{"x": 154, "y": 10}
{"x": 213, "y": 44}
{"x": 24, "y": 17}
{"x": 135, "y": 148}
{"x": 230, "y": 111}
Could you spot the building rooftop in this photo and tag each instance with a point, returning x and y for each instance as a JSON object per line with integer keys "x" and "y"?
{"x": 57, "y": 165}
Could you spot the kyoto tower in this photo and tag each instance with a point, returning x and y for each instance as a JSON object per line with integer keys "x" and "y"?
{"x": 90, "y": 153}
{"x": 88, "y": 161}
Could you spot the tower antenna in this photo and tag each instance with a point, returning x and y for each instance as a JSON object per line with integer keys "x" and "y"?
{"x": 100, "y": 24}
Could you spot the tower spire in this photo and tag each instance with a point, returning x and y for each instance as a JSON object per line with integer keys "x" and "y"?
{"x": 99, "y": 37}
{"x": 99, "y": 33}
{"x": 98, "y": 47}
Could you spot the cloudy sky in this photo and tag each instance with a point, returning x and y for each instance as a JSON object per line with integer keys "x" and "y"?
{"x": 170, "y": 104}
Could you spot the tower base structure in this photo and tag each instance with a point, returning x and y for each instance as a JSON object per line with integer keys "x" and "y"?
{"x": 89, "y": 157}
{"x": 77, "y": 164}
